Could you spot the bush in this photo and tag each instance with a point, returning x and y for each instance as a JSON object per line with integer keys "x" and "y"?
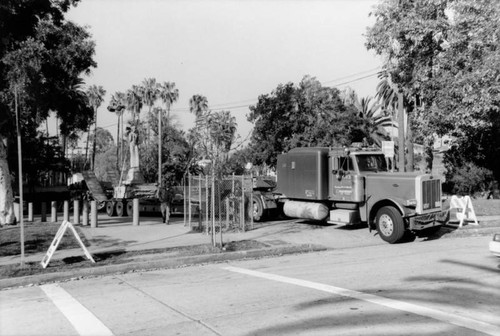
{"x": 469, "y": 179}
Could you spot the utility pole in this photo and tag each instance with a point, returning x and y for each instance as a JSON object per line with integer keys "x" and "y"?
{"x": 159, "y": 146}
{"x": 20, "y": 175}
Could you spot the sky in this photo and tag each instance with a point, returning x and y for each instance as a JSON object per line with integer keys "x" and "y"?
{"x": 230, "y": 51}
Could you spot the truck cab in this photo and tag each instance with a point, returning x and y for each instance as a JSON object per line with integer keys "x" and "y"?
{"x": 356, "y": 185}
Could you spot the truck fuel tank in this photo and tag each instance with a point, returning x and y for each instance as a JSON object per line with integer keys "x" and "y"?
{"x": 306, "y": 210}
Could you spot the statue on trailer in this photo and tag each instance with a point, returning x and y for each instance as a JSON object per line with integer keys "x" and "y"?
{"x": 134, "y": 175}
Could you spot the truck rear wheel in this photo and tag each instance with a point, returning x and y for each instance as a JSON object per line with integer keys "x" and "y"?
{"x": 257, "y": 208}
{"x": 390, "y": 225}
{"x": 130, "y": 208}
{"x": 110, "y": 208}
{"x": 120, "y": 209}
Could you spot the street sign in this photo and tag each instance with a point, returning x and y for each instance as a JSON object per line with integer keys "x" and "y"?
{"x": 388, "y": 149}
{"x": 57, "y": 239}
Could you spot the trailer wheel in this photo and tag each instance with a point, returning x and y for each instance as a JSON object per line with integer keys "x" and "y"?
{"x": 110, "y": 208}
{"x": 120, "y": 209}
{"x": 390, "y": 225}
{"x": 130, "y": 208}
{"x": 257, "y": 208}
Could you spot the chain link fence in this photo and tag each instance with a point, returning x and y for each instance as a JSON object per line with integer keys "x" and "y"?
{"x": 215, "y": 205}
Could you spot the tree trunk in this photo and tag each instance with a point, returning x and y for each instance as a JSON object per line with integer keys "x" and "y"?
{"x": 95, "y": 139}
{"x": 401, "y": 134}
{"x": 6, "y": 194}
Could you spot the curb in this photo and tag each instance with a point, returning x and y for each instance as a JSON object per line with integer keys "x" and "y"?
{"x": 167, "y": 263}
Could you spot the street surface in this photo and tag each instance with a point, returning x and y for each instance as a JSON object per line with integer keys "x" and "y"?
{"x": 438, "y": 287}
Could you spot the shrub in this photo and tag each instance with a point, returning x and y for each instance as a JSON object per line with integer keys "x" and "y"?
{"x": 469, "y": 179}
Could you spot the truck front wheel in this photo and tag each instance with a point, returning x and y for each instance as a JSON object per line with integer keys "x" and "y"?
{"x": 390, "y": 225}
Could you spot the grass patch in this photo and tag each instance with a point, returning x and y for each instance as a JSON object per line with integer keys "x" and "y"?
{"x": 121, "y": 257}
{"x": 37, "y": 238}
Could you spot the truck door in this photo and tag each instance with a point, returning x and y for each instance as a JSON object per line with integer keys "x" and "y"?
{"x": 344, "y": 184}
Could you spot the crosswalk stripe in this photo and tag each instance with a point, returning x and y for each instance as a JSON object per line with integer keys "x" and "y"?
{"x": 85, "y": 323}
{"x": 460, "y": 321}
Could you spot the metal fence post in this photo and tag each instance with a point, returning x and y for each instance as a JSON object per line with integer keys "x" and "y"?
{"x": 189, "y": 198}
{"x": 200, "y": 211}
{"x": 242, "y": 212}
{"x": 206, "y": 205}
{"x": 213, "y": 210}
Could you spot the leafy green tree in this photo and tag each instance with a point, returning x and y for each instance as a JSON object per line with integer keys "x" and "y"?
{"x": 445, "y": 55}
{"x": 150, "y": 94}
{"x": 169, "y": 95}
{"x": 42, "y": 57}
{"x": 303, "y": 116}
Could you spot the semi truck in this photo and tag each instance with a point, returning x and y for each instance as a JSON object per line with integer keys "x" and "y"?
{"x": 353, "y": 185}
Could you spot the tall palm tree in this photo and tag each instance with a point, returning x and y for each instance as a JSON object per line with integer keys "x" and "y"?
{"x": 117, "y": 105}
{"x": 134, "y": 101}
{"x": 150, "y": 93}
{"x": 198, "y": 105}
{"x": 168, "y": 94}
{"x": 96, "y": 97}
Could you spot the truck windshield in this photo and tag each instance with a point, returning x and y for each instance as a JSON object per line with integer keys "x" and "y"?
{"x": 371, "y": 162}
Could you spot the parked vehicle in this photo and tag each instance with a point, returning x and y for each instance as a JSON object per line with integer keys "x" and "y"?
{"x": 495, "y": 245}
{"x": 354, "y": 185}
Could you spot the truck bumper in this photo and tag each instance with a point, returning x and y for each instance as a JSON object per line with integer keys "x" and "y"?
{"x": 421, "y": 222}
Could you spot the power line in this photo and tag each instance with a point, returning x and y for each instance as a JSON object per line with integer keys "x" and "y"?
{"x": 352, "y": 75}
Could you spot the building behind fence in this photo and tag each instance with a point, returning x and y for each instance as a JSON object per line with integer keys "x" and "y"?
{"x": 218, "y": 205}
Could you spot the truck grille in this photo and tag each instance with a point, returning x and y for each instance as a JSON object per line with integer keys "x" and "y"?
{"x": 431, "y": 194}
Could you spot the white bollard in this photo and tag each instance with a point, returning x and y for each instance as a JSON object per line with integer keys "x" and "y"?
{"x": 135, "y": 216}
{"x": 93, "y": 214}
{"x": 76, "y": 212}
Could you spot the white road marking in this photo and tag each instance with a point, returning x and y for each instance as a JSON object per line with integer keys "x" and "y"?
{"x": 80, "y": 317}
{"x": 386, "y": 302}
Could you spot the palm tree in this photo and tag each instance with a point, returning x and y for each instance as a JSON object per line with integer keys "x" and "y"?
{"x": 168, "y": 94}
{"x": 396, "y": 103}
{"x": 198, "y": 105}
{"x": 374, "y": 118}
{"x": 134, "y": 97}
{"x": 96, "y": 97}
{"x": 118, "y": 105}
{"x": 150, "y": 93}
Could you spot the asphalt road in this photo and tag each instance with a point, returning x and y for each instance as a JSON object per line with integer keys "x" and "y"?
{"x": 439, "y": 287}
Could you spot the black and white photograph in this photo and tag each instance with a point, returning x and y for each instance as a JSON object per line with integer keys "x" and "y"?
{"x": 249, "y": 167}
